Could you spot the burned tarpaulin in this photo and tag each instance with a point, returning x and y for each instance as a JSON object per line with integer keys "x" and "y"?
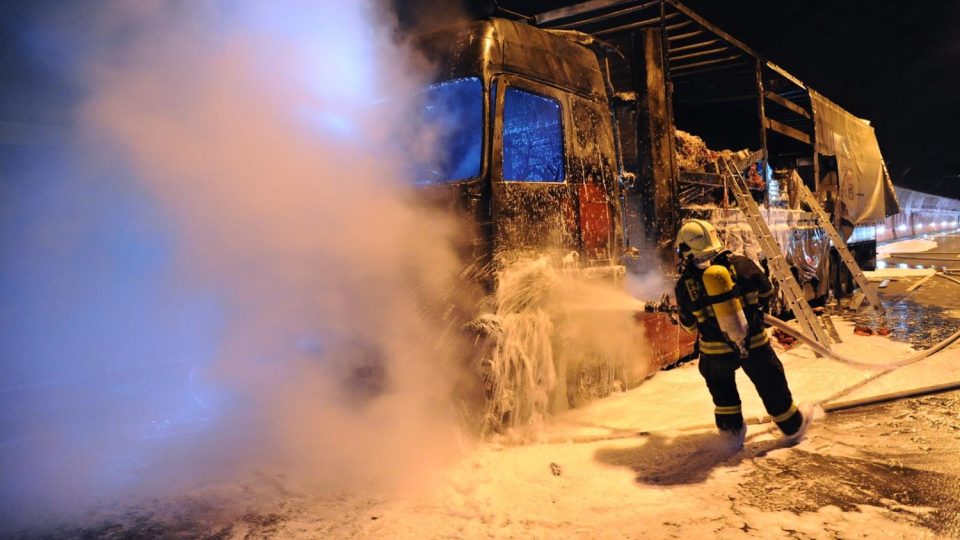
{"x": 866, "y": 193}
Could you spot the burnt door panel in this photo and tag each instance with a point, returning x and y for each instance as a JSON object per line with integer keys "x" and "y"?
{"x": 533, "y": 207}
{"x": 593, "y": 167}
{"x": 595, "y": 223}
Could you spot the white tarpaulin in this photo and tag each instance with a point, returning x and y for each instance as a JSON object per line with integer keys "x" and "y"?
{"x": 863, "y": 178}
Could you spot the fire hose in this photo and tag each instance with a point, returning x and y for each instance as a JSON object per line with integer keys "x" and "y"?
{"x": 948, "y": 277}
{"x": 829, "y": 403}
{"x": 664, "y": 306}
{"x": 781, "y": 325}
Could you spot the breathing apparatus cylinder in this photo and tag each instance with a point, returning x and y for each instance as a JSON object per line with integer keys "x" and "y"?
{"x": 729, "y": 312}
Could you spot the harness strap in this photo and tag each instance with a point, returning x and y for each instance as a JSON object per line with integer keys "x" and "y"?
{"x": 723, "y": 297}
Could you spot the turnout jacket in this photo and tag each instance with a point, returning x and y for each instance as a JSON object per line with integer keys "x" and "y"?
{"x": 696, "y": 307}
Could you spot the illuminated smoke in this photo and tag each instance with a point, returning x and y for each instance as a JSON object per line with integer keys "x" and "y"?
{"x": 226, "y": 272}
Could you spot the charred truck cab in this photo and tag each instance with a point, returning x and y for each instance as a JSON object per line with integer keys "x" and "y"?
{"x": 555, "y": 142}
{"x": 532, "y": 158}
{"x": 529, "y": 154}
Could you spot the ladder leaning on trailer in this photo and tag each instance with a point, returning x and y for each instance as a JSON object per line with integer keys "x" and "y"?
{"x": 778, "y": 265}
{"x": 824, "y": 221}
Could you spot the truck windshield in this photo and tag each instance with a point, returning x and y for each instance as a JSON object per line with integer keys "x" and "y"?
{"x": 452, "y": 113}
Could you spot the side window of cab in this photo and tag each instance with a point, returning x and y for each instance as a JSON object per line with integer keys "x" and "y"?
{"x": 532, "y": 137}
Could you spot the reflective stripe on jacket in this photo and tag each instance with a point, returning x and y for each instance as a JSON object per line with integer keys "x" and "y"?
{"x": 722, "y": 347}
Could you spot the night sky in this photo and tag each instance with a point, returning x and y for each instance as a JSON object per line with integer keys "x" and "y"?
{"x": 895, "y": 63}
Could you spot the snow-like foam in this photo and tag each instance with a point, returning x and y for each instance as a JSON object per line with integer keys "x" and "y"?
{"x": 917, "y": 245}
{"x": 560, "y": 336}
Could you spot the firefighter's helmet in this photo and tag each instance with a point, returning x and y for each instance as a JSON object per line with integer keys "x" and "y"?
{"x": 698, "y": 239}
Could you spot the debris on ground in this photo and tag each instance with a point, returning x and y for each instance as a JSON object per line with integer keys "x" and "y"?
{"x": 920, "y": 325}
{"x": 784, "y": 339}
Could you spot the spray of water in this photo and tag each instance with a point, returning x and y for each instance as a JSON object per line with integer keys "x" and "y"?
{"x": 560, "y": 337}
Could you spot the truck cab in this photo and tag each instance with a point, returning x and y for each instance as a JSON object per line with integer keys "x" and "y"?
{"x": 528, "y": 154}
{"x": 527, "y": 147}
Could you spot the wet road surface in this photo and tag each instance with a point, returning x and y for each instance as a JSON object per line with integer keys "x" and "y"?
{"x": 922, "y": 318}
{"x": 903, "y": 456}
{"x": 927, "y": 314}
{"x": 902, "y": 459}
{"x": 945, "y": 255}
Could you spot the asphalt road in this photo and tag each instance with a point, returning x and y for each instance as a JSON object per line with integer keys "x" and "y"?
{"x": 946, "y": 255}
{"x": 900, "y": 457}
{"x": 931, "y": 312}
{"x": 903, "y": 456}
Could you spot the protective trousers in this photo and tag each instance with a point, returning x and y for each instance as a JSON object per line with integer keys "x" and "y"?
{"x": 766, "y": 372}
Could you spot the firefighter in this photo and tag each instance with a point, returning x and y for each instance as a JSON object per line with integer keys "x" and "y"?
{"x": 724, "y": 296}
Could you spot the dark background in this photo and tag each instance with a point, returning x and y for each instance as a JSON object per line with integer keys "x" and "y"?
{"x": 895, "y": 63}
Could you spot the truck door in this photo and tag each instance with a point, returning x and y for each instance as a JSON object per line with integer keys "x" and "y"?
{"x": 593, "y": 168}
{"x": 533, "y": 205}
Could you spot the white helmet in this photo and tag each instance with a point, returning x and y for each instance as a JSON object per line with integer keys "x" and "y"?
{"x": 698, "y": 239}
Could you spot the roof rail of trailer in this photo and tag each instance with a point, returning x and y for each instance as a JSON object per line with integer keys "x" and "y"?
{"x": 697, "y": 51}
{"x": 706, "y": 66}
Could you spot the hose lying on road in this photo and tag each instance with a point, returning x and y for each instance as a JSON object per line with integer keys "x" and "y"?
{"x": 819, "y": 349}
{"x": 894, "y": 396}
{"x": 829, "y": 404}
{"x": 939, "y": 256}
{"x": 951, "y": 278}
{"x": 883, "y": 368}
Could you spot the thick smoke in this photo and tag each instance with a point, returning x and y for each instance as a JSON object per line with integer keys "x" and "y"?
{"x": 242, "y": 281}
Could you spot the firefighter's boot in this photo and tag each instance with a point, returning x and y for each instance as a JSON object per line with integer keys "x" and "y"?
{"x": 807, "y": 411}
{"x": 732, "y": 439}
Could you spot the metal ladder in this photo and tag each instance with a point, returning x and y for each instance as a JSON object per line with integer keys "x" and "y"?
{"x": 775, "y": 260}
{"x": 870, "y": 294}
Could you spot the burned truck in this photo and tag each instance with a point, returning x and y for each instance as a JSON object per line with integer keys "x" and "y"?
{"x": 560, "y": 143}
{"x": 531, "y": 159}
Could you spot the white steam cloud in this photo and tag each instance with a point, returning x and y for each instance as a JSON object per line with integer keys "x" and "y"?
{"x": 284, "y": 308}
